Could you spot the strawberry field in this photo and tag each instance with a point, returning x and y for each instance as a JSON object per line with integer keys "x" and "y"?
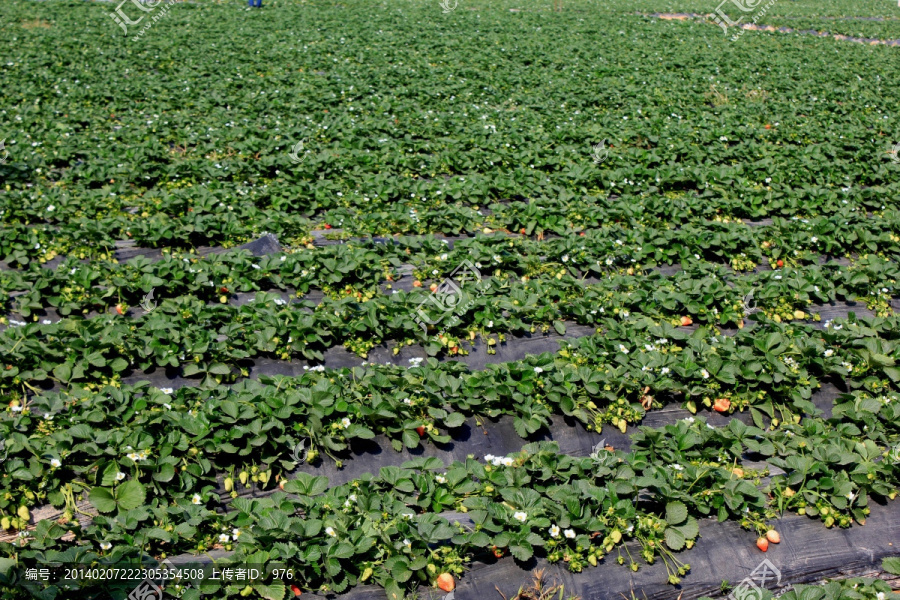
{"x": 424, "y": 299}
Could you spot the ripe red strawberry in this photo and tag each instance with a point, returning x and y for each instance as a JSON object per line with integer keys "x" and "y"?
{"x": 296, "y": 590}
{"x": 498, "y": 553}
{"x": 223, "y": 290}
{"x": 120, "y": 308}
{"x": 685, "y": 321}
{"x": 420, "y": 430}
{"x": 433, "y": 287}
{"x": 522, "y": 231}
{"x": 327, "y": 226}
{"x": 768, "y": 126}
{"x": 763, "y": 544}
{"x": 582, "y": 234}
{"x": 445, "y": 582}
{"x": 417, "y": 283}
{"x": 722, "y": 405}
{"x": 773, "y": 536}
{"x": 780, "y": 263}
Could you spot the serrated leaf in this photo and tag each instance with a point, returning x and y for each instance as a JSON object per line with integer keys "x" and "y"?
{"x": 674, "y": 539}
{"x": 165, "y": 473}
{"x": 690, "y": 529}
{"x": 891, "y": 565}
{"x": 271, "y": 591}
{"x": 454, "y": 420}
{"x": 102, "y": 499}
{"x": 676, "y": 513}
{"x": 130, "y": 494}
{"x": 522, "y": 551}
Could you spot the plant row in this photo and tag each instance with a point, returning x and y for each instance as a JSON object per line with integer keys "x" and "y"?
{"x": 177, "y": 442}
{"x": 74, "y": 286}
{"x": 215, "y": 340}
{"x": 392, "y": 528}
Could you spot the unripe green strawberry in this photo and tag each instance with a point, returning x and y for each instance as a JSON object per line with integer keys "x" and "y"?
{"x": 229, "y": 484}
{"x": 23, "y": 513}
{"x": 5, "y": 523}
{"x": 243, "y": 477}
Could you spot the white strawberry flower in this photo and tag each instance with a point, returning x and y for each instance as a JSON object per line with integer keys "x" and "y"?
{"x": 569, "y": 533}
{"x": 330, "y": 531}
{"x": 55, "y": 463}
{"x": 520, "y": 516}
{"x": 554, "y": 531}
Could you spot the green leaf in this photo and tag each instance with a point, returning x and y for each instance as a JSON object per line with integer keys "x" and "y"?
{"x": 891, "y": 565}
{"x": 393, "y": 591}
{"x": 63, "y": 372}
{"x": 102, "y": 499}
{"x": 130, "y": 494}
{"x": 560, "y": 327}
{"x": 219, "y": 369}
{"x": 191, "y": 369}
{"x": 522, "y": 551}
{"x": 454, "y": 420}
{"x": 6, "y": 564}
{"x": 410, "y": 438}
{"x": 674, "y": 539}
{"x": 690, "y": 529}
{"x": 892, "y": 372}
{"x": 676, "y": 513}
{"x": 165, "y": 473}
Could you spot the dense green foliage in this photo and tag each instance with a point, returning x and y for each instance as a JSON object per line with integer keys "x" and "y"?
{"x": 741, "y": 186}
